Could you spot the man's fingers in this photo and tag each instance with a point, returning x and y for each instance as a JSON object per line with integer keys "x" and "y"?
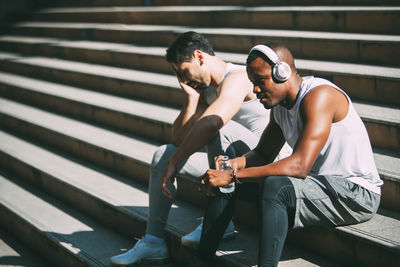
{"x": 166, "y": 191}
{"x": 216, "y": 162}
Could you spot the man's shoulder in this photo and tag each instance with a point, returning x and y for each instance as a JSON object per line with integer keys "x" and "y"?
{"x": 236, "y": 75}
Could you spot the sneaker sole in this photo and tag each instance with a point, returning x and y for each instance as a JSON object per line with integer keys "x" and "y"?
{"x": 144, "y": 262}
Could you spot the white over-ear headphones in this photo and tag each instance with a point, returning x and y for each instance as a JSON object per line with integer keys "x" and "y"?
{"x": 281, "y": 70}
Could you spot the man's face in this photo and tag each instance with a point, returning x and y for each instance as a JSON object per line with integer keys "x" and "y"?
{"x": 268, "y": 92}
{"x": 192, "y": 74}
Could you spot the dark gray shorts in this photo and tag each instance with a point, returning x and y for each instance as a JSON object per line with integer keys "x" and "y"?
{"x": 332, "y": 201}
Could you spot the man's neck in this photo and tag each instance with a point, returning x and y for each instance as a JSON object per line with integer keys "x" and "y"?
{"x": 293, "y": 92}
{"x": 217, "y": 70}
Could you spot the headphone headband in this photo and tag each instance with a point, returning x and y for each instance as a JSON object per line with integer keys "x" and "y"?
{"x": 280, "y": 70}
{"x": 267, "y": 52}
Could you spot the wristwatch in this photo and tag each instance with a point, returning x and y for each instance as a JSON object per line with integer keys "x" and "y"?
{"x": 234, "y": 178}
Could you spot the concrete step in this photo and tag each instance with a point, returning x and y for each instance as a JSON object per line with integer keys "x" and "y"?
{"x": 14, "y": 253}
{"x": 157, "y": 88}
{"x": 121, "y": 203}
{"x": 128, "y": 115}
{"x": 360, "y": 19}
{"x": 126, "y": 155}
{"x": 213, "y": 2}
{"x": 61, "y": 235}
{"x": 131, "y": 156}
{"x": 382, "y": 122}
{"x": 379, "y": 84}
{"x": 342, "y": 47}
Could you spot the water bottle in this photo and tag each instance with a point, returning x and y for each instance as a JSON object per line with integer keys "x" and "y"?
{"x": 225, "y": 165}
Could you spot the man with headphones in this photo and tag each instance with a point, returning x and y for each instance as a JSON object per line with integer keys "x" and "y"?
{"x": 330, "y": 178}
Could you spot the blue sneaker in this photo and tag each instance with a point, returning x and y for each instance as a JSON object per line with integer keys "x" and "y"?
{"x": 142, "y": 252}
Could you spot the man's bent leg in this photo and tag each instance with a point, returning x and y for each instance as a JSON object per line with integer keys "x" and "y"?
{"x": 219, "y": 212}
{"x": 277, "y": 208}
{"x": 159, "y": 205}
{"x": 152, "y": 248}
{"x": 232, "y": 140}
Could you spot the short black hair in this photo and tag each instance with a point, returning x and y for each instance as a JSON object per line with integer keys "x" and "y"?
{"x": 182, "y": 49}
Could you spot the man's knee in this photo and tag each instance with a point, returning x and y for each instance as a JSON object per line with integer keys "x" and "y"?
{"x": 161, "y": 155}
{"x": 278, "y": 189}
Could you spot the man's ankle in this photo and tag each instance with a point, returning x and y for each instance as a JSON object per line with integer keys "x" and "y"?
{"x": 152, "y": 239}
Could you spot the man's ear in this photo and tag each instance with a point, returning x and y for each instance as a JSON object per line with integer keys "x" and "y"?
{"x": 198, "y": 56}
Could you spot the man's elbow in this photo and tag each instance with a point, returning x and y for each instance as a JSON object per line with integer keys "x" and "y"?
{"x": 214, "y": 123}
{"x": 175, "y": 142}
{"x": 302, "y": 175}
{"x": 300, "y": 169}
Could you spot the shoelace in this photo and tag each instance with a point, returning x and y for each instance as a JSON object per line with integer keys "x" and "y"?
{"x": 137, "y": 244}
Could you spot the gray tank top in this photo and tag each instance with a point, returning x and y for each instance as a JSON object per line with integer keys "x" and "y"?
{"x": 347, "y": 152}
{"x": 251, "y": 114}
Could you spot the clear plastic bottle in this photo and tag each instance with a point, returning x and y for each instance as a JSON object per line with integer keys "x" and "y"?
{"x": 225, "y": 165}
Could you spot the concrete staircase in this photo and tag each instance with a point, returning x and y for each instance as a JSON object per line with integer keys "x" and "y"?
{"x": 86, "y": 97}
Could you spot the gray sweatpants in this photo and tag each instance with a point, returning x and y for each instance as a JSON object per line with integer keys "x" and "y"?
{"x": 332, "y": 201}
{"x": 233, "y": 140}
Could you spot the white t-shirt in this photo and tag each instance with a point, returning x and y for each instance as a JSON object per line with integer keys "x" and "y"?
{"x": 251, "y": 114}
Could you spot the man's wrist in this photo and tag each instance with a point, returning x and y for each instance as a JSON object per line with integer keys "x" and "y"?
{"x": 193, "y": 99}
{"x": 173, "y": 161}
{"x": 234, "y": 178}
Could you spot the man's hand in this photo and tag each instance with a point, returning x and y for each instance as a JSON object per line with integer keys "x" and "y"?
{"x": 217, "y": 178}
{"x": 168, "y": 175}
{"x": 206, "y": 188}
{"x": 189, "y": 90}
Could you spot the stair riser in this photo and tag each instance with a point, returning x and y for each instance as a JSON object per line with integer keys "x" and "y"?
{"x": 371, "y": 52}
{"x": 112, "y": 161}
{"x": 160, "y": 94}
{"x": 44, "y": 243}
{"x": 214, "y": 2}
{"x": 373, "y": 89}
{"x": 343, "y": 247}
{"x": 337, "y": 21}
{"x": 390, "y": 195}
{"x": 156, "y": 130}
{"x": 382, "y": 135}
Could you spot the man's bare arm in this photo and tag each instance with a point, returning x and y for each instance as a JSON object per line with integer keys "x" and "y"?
{"x": 267, "y": 149}
{"x": 233, "y": 91}
{"x": 191, "y": 111}
{"x": 319, "y": 109}
{"x": 317, "y": 112}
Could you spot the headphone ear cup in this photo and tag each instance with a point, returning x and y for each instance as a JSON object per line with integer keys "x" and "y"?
{"x": 282, "y": 71}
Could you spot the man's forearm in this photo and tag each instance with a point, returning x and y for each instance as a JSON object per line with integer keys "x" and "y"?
{"x": 198, "y": 136}
{"x": 184, "y": 121}
{"x": 289, "y": 166}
